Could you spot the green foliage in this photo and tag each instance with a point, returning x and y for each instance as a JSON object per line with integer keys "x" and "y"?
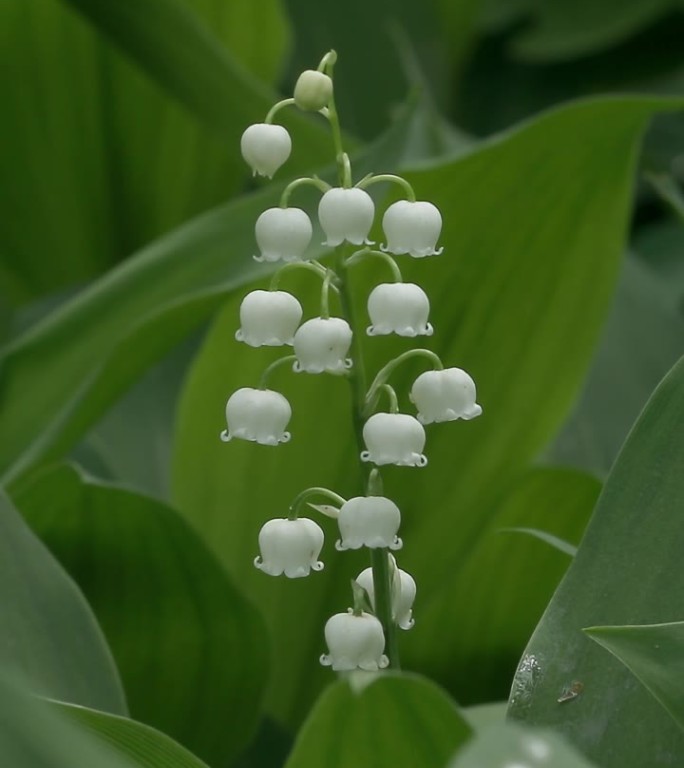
{"x": 654, "y": 653}
{"x": 399, "y": 720}
{"x": 142, "y": 745}
{"x": 48, "y": 633}
{"x": 506, "y": 746}
{"x": 627, "y": 571}
{"x": 187, "y": 644}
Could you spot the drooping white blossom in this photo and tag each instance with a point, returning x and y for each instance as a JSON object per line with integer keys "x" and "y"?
{"x": 265, "y": 148}
{"x": 291, "y": 547}
{"x": 413, "y": 228}
{"x": 258, "y": 415}
{"x": 369, "y": 521}
{"x": 403, "y": 593}
{"x": 313, "y": 90}
{"x": 354, "y": 642}
{"x": 445, "y": 396}
{"x": 268, "y": 318}
{"x": 401, "y": 308}
{"x": 321, "y": 345}
{"x": 346, "y": 215}
{"x": 283, "y": 234}
{"x": 394, "y": 438}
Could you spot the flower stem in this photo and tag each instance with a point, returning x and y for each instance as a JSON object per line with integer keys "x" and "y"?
{"x": 380, "y": 563}
{"x": 384, "y": 373}
{"x": 269, "y": 370}
{"x": 311, "y": 266}
{"x": 410, "y": 194}
{"x": 312, "y": 181}
{"x": 300, "y": 498}
{"x": 279, "y": 105}
{"x": 365, "y": 252}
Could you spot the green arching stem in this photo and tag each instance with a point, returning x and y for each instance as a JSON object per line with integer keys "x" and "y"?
{"x": 343, "y": 165}
{"x": 360, "y": 600}
{"x": 368, "y": 180}
{"x": 393, "y": 402}
{"x": 328, "y": 61}
{"x": 325, "y": 293}
{"x": 300, "y": 498}
{"x": 313, "y": 181}
{"x": 311, "y": 266}
{"x": 362, "y": 254}
{"x": 385, "y": 372}
{"x": 279, "y": 105}
{"x": 276, "y": 364}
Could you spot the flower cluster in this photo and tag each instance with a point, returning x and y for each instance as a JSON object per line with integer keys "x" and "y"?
{"x": 383, "y": 593}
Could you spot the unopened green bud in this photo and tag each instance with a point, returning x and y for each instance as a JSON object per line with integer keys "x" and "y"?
{"x": 313, "y": 90}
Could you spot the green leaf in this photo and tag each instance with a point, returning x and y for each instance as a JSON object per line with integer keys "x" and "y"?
{"x": 613, "y": 580}
{"x": 93, "y": 348}
{"x": 642, "y": 340}
{"x": 654, "y": 654}
{"x": 192, "y": 652}
{"x": 89, "y": 144}
{"x": 34, "y": 735}
{"x": 546, "y": 537}
{"x": 510, "y": 746}
{"x": 485, "y": 607}
{"x": 569, "y": 29}
{"x": 402, "y": 721}
{"x": 141, "y": 745}
{"x": 176, "y": 48}
{"x": 553, "y": 255}
{"x": 48, "y": 633}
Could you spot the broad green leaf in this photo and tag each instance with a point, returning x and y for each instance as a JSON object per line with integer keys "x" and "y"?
{"x": 192, "y": 652}
{"x": 654, "y": 654}
{"x": 627, "y": 571}
{"x": 94, "y": 158}
{"x": 34, "y": 735}
{"x": 93, "y": 348}
{"x": 643, "y": 338}
{"x": 48, "y": 634}
{"x": 510, "y": 746}
{"x": 141, "y": 745}
{"x": 401, "y": 721}
{"x": 486, "y": 605}
{"x": 553, "y": 255}
{"x": 570, "y": 29}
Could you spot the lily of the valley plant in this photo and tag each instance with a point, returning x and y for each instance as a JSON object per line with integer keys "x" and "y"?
{"x": 365, "y": 636}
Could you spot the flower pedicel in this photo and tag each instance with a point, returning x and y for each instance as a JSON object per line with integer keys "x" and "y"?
{"x": 365, "y": 637}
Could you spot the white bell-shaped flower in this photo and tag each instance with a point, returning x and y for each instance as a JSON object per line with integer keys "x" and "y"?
{"x": 265, "y": 148}
{"x": 283, "y": 234}
{"x": 444, "y": 396}
{"x": 369, "y": 521}
{"x": 258, "y": 415}
{"x": 268, "y": 318}
{"x": 291, "y": 547}
{"x": 413, "y": 228}
{"x": 400, "y": 308}
{"x": 346, "y": 214}
{"x": 403, "y": 594}
{"x": 313, "y": 90}
{"x": 321, "y": 344}
{"x": 354, "y": 642}
{"x": 394, "y": 438}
